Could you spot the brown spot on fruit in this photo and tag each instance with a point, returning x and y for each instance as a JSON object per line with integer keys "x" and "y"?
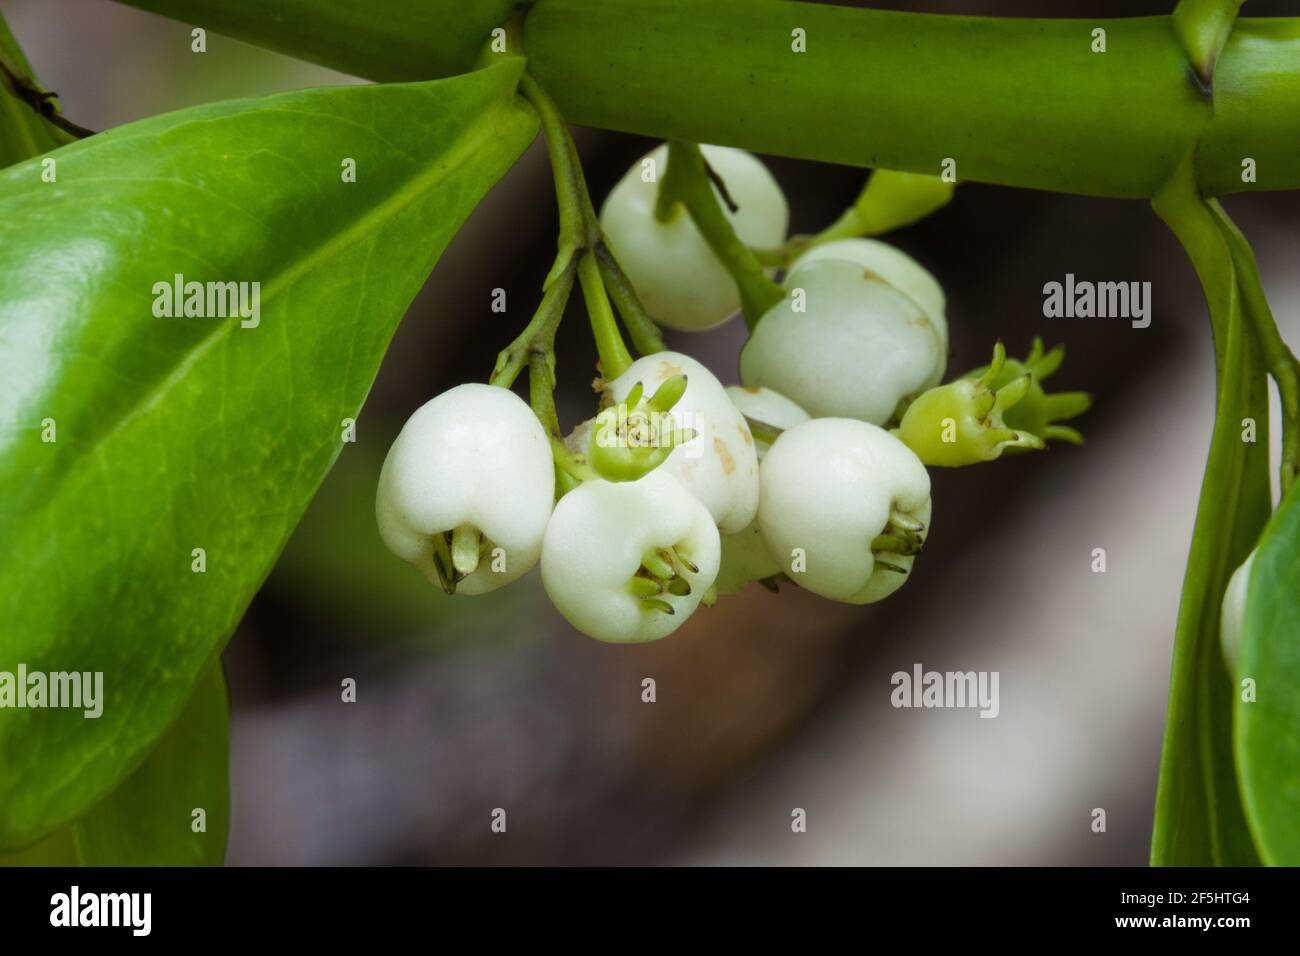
{"x": 724, "y": 455}
{"x": 666, "y": 371}
{"x": 745, "y": 434}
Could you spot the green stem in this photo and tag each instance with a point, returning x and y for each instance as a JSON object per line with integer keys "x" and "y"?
{"x": 1199, "y": 819}
{"x": 1278, "y": 358}
{"x": 1019, "y": 101}
{"x": 581, "y": 237}
{"x": 889, "y": 200}
{"x": 570, "y": 187}
{"x": 687, "y": 181}
{"x": 574, "y": 465}
{"x": 1202, "y": 27}
{"x": 614, "y": 356}
{"x": 645, "y": 334}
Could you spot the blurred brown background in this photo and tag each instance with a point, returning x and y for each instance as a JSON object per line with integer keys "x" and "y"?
{"x": 767, "y": 702}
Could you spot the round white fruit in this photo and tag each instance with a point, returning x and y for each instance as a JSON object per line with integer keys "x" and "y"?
{"x": 474, "y": 457}
{"x": 682, "y": 284}
{"x": 594, "y": 546}
{"x": 844, "y": 343}
{"x": 830, "y": 488}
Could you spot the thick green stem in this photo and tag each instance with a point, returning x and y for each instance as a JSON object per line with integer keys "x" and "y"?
{"x": 688, "y": 181}
{"x": 1016, "y": 101}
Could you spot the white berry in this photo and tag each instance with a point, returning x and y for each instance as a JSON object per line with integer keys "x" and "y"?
{"x": 844, "y": 343}
{"x": 681, "y": 282}
{"x": 745, "y": 557}
{"x": 719, "y": 465}
{"x": 596, "y": 549}
{"x": 474, "y": 458}
{"x": 1232, "y": 621}
{"x": 894, "y": 266}
{"x": 832, "y": 489}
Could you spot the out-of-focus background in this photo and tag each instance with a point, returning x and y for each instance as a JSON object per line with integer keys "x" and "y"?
{"x": 766, "y": 703}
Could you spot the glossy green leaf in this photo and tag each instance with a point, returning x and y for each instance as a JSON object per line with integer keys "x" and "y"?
{"x": 380, "y": 39}
{"x": 1267, "y": 734}
{"x": 23, "y": 133}
{"x": 150, "y": 819}
{"x": 57, "y": 849}
{"x": 172, "y": 435}
{"x": 1199, "y": 819}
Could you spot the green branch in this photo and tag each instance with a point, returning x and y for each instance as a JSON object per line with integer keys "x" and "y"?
{"x": 1021, "y": 102}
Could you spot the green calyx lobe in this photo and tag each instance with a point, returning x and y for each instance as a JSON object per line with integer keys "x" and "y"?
{"x": 663, "y": 572}
{"x": 635, "y": 436}
{"x": 1036, "y": 411}
{"x": 963, "y": 423}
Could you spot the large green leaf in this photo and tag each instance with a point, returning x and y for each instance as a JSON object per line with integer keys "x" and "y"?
{"x": 150, "y": 819}
{"x": 1268, "y": 727}
{"x": 23, "y": 134}
{"x": 175, "y": 434}
{"x": 380, "y": 39}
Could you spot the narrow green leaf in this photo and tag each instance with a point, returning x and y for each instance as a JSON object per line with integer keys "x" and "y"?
{"x": 23, "y": 134}
{"x": 185, "y": 449}
{"x": 1267, "y": 734}
{"x": 1199, "y": 820}
{"x": 380, "y": 39}
{"x": 151, "y": 819}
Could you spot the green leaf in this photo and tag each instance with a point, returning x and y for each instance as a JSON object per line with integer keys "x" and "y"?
{"x": 382, "y": 40}
{"x": 1199, "y": 820}
{"x": 57, "y": 849}
{"x": 23, "y": 134}
{"x": 149, "y": 820}
{"x": 177, "y": 434}
{"x": 1267, "y": 734}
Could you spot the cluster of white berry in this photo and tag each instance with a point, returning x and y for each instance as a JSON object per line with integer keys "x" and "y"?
{"x": 680, "y": 489}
